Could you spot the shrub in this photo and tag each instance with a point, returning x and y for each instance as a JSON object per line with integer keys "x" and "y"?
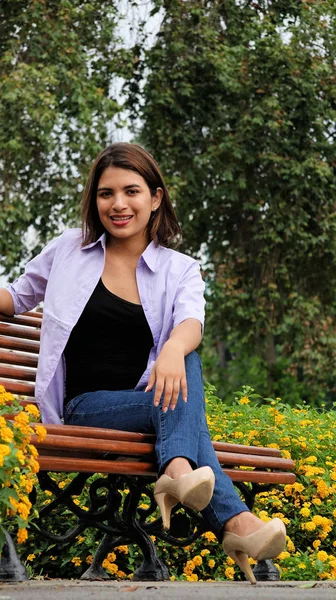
{"x": 18, "y": 464}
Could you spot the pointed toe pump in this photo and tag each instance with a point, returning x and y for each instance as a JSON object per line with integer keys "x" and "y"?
{"x": 265, "y": 543}
{"x": 193, "y": 490}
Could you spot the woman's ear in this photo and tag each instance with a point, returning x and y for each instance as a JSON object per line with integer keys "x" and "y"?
{"x": 156, "y": 199}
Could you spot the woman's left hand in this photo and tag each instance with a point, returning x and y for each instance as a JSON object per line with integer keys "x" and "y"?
{"x": 169, "y": 375}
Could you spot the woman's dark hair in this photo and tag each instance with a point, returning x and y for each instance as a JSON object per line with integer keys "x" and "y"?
{"x": 162, "y": 225}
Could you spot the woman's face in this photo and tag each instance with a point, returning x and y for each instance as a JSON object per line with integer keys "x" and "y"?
{"x": 125, "y": 203}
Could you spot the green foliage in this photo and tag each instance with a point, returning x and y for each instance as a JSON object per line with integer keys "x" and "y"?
{"x": 308, "y": 507}
{"x": 57, "y": 59}
{"x": 239, "y": 110}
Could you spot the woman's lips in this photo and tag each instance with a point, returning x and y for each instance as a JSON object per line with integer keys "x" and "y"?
{"x": 121, "y": 221}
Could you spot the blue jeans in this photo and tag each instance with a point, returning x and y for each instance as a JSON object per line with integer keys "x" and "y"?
{"x": 182, "y": 432}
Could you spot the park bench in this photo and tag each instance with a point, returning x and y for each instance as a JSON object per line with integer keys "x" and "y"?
{"x": 128, "y": 462}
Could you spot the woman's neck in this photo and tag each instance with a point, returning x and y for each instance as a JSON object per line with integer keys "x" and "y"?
{"x": 131, "y": 249}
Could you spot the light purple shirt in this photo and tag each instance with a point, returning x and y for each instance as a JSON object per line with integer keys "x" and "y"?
{"x": 64, "y": 275}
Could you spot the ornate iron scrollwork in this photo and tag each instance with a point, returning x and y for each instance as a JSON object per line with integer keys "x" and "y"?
{"x": 123, "y": 521}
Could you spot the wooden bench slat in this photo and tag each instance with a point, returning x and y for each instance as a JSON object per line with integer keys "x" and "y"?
{"x": 68, "y": 465}
{"x": 116, "y": 447}
{"x": 34, "y": 313}
{"x": 12, "y": 343}
{"x": 86, "y": 465}
{"x": 19, "y": 331}
{"x": 54, "y": 442}
{"x": 18, "y": 358}
{"x": 22, "y": 320}
{"x": 260, "y": 451}
{"x": 260, "y": 476}
{"x": 18, "y": 387}
{"x": 99, "y": 433}
{"x": 242, "y": 460}
{"x": 17, "y": 372}
{"x": 116, "y": 434}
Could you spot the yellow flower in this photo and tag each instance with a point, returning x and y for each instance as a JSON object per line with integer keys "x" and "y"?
{"x": 205, "y": 552}
{"x": 6, "y": 435}
{"x": 290, "y": 546}
{"x": 322, "y": 489}
{"x": 310, "y": 526}
{"x": 322, "y": 556}
{"x": 110, "y": 567}
{"x": 76, "y": 561}
{"x": 244, "y": 400}
{"x": 316, "y": 544}
{"x": 229, "y": 572}
{"x": 230, "y": 561}
{"x": 20, "y": 456}
{"x": 111, "y": 557}
{"x": 210, "y": 536}
{"x": 305, "y": 512}
{"x": 31, "y": 557}
{"x": 21, "y": 419}
{"x": 24, "y": 510}
{"x": 41, "y": 432}
{"x": 311, "y": 459}
{"x": 89, "y": 559}
{"x": 192, "y": 577}
{"x": 197, "y": 560}
{"x": 301, "y": 565}
{"x": 317, "y": 519}
{"x": 32, "y": 410}
{"x": 211, "y": 563}
{"x": 22, "y": 535}
{"x": 122, "y": 549}
{"x": 80, "y": 539}
{"x": 122, "y": 575}
{"x": 190, "y": 565}
{"x": 283, "y": 555}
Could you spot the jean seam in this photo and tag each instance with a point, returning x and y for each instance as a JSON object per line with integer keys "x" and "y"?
{"x": 163, "y": 437}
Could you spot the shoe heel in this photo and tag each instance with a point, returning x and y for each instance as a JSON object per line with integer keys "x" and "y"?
{"x": 165, "y": 503}
{"x": 241, "y": 559}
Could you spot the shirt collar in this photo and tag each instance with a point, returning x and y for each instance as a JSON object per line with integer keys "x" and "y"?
{"x": 149, "y": 256}
{"x": 101, "y": 240}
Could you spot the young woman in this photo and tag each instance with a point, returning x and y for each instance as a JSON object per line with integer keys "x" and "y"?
{"x": 123, "y": 315}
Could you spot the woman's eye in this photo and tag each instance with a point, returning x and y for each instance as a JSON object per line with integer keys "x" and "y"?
{"x": 132, "y": 192}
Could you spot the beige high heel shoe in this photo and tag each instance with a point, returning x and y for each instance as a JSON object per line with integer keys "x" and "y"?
{"x": 194, "y": 490}
{"x": 265, "y": 543}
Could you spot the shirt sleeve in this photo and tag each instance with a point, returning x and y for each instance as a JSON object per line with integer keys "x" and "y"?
{"x": 29, "y": 289}
{"x": 189, "y": 300}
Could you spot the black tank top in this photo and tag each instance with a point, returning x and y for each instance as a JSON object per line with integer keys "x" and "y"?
{"x": 109, "y": 346}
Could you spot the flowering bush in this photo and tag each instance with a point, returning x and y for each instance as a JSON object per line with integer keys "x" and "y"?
{"x": 308, "y": 507}
{"x": 18, "y": 464}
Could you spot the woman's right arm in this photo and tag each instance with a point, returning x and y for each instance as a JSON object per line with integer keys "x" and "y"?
{"x": 29, "y": 289}
{"x": 6, "y": 303}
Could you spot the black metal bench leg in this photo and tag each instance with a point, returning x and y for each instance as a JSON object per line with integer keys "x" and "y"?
{"x": 265, "y": 570}
{"x": 152, "y": 568}
{"x": 95, "y": 570}
{"x": 11, "y": 569}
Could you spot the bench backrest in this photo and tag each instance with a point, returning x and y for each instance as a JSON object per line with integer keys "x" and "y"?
{"x": 19, "y": 349}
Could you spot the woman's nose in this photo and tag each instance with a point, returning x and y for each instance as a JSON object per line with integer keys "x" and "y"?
{"x": 119, "y": 201}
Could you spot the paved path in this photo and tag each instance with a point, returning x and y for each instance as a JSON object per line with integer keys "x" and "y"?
{"x": 60, "y": 589}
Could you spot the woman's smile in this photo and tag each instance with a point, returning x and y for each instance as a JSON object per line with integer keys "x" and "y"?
{"x": 121, "y": 221}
